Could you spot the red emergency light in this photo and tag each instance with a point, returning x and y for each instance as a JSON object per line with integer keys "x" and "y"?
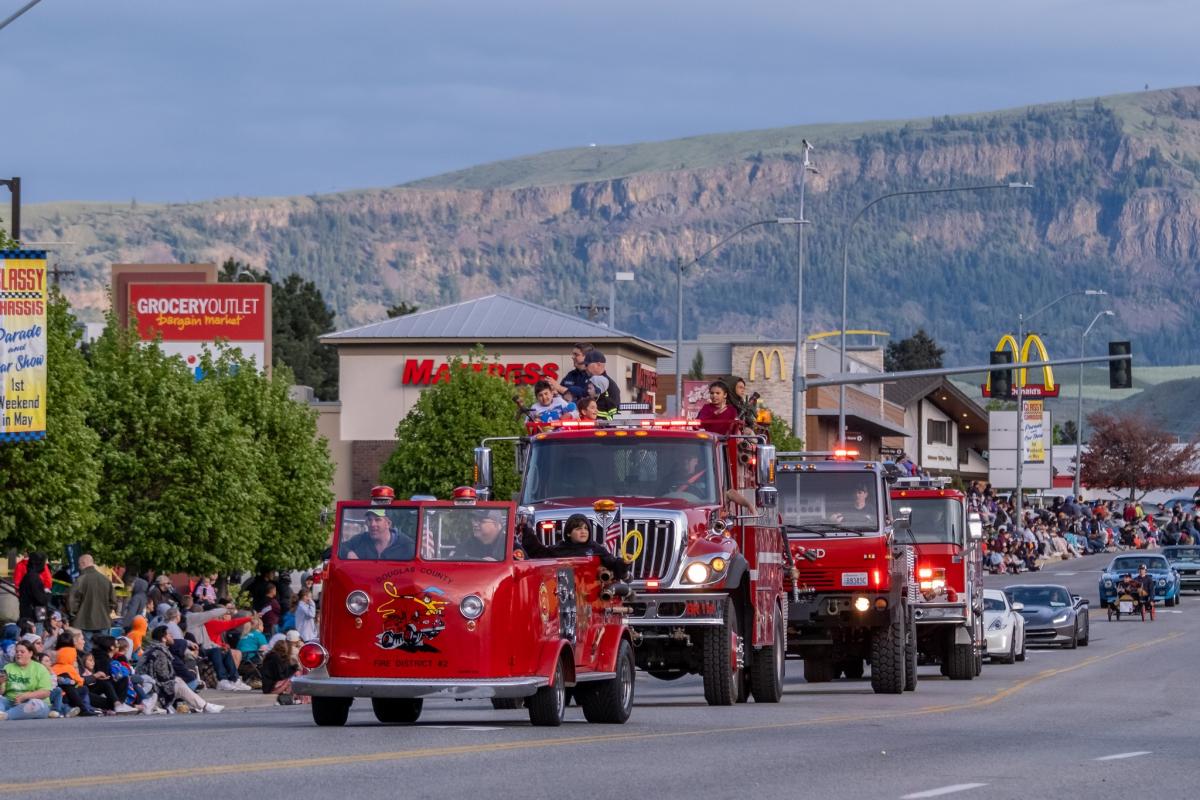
{"x": 312, "y": 655}
{"x": 382, "y": 496}
{"x": 464, "y": 496}
{"x": 844, "y": 454}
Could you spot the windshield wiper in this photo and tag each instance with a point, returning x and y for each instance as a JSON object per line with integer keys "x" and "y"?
{"x": 821, "y": 528}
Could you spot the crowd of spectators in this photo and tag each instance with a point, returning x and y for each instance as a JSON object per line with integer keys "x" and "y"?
{"x": 1070, "y": 527}
{"x": 86, "y": 653}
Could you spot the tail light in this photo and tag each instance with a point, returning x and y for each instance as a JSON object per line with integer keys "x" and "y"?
{"x": 932, "y": 579}
{"x": 312, "y": 655}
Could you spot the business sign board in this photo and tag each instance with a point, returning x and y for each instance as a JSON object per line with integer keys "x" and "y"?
{"x": 186, "y": 317}
{"x": 1037, "y": 472}
{"x": 428, "y": 371}
{"x": 695, "y": 394}
{"x": 766, "y": 356}
{"x": 1047, "y": 388}
{"x": 23, "y": 299}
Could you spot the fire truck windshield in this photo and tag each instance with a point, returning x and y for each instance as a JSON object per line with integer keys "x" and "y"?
{"x": 820, "y": 503}
{"x": 446, "y": 534}
{"x": 934, "y": 520}
{"x": 621, "y": 467}
{"x": 378, "y": 534}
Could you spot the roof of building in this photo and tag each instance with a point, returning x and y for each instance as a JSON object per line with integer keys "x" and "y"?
{"x": 943, "y": 393}
{"x": 494, "y": 317}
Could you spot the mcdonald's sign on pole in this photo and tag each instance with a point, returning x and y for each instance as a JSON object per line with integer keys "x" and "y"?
{"x": 1047, "y": 388}
{"x": 767, "y": 357}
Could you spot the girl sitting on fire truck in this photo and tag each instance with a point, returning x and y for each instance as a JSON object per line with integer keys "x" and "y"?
{"x": 577, "y": 542}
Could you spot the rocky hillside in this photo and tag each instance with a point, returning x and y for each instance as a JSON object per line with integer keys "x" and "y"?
{"x": 1115, "y": 207}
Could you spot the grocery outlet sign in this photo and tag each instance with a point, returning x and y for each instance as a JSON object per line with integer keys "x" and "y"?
{"x": 188, "y": 316}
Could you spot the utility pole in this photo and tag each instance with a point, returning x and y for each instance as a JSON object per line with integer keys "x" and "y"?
{"x": 14, "y": 187}
{"x": 800, "y": 367}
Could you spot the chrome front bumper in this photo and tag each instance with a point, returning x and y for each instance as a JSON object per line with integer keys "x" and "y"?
{"x": 656, "y": 609}
{"x": 928, "y": 613}
{"x": 319, "y": 683}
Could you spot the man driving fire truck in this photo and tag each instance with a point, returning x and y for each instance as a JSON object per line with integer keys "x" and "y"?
{"x": 382, "y": 540}
{"x": 861, "y": 512}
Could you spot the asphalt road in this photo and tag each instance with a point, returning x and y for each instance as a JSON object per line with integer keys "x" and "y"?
{"x": 1117, "y": 719}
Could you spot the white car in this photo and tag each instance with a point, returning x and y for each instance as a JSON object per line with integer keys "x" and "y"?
{"x": 1004, "y": 626}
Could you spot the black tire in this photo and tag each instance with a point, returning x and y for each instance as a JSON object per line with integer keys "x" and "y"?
{"x": 1083, "y": 640}
{"x": 1169, "y": 602}
{"x": 1071, "y": 645}
{"x": 978, "y": 662}
{"x": 1021, "y": 655}
{"x": 767, "y": 668}
{"x": 888, "y": 659}
{"x": 610, "y": 702}
{"x": 818, "y": 670}
{"x": 960, "y": 660}
{"x": 1012, "y": 652}
{"x": 508, "y": 703}
{"x": 396, "y": 710}
{"x": 331, "y": 711}
{"x": 852, "y": 668}
{"x": 910, "y": 656}
{"x": 722, "y": 678}
{"x": 548, "y": 705}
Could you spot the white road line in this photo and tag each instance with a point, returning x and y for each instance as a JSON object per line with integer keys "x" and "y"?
{"x": 958, "y": 787}
{"x": 1065, "y": 574}
{"x": 1118, "y": 756}
{"x": 472, "y": 728}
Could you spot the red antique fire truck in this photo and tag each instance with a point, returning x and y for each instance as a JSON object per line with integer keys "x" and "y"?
{"x": 948, "y": 607}
{"x": 426, "y": 599}
{"x": 694, "y": 515}
{"x": 851, "y": 602}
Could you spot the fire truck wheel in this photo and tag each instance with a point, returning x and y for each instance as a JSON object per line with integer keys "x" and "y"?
{"x": 767, "y": 668}
{"x": 887, "y": 659}
{"x": 507, "y": 703}
{"x": 819, "y": 670}
{"x": 548, "y": 705}
{"x": 331, "y": 711}
{"x": 610, "y": 702}
{"x": 396, "y": 709}
{"x": 723, "y": 660}
{"x": 910, "y": 657}
{"x": 960, "y": 661}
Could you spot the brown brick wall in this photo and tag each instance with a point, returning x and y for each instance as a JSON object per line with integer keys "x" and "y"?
{"x": 367, "y": 458}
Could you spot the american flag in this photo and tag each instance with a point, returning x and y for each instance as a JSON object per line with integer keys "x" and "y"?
{"x": 612, "y": 533}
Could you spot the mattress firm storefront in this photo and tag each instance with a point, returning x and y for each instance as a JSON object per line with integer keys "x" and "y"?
{"x": 384, "y": 367}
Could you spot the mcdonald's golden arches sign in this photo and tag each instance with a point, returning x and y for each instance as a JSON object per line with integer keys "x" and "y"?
{"x": 1047, "y": 388}
{"x": 767, "y": 357}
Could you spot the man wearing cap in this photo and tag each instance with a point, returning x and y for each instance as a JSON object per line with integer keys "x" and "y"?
{"x": 608, "y": 398}
{"x": 92, "y": 600}
{"x": 573, "y": 386}
{"x": 381, "y": 542}
{"x": 487, "y": 540}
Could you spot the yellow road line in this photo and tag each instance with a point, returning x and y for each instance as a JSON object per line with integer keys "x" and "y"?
{"x": 116, "y": 779}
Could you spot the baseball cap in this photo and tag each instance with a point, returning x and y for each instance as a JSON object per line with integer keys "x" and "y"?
{"x": 293, "y": 636}
{"x": 594, "y": 357}
{"x": 600, "y": 383}
{"x": 377, "y": 512}
{"x": 31, "y": 638}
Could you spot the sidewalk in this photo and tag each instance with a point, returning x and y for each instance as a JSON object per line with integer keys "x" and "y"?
{"x": 241, "y": 701}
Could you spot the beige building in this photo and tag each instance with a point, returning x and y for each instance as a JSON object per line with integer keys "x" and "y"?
{"x": 384, "y": 367}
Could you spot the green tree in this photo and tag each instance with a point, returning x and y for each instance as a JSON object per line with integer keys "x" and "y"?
{"x": 7, "y": 242}
{"x": 402, "y": 309}
{"x": 436, "y": 441}
{"x": 292, "y": 461}
{"x": 783, "y": 437}
{"x": 49, "y": 488}
{"x": 696, "y": 373}
{"x": 918, "y": 351}
{"x": 299, "y": 316}
{"x": 234, "y": 271}
{"x": 179, "y": 471}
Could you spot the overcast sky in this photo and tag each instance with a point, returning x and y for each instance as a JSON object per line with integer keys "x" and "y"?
{"x": 191, "y": 99}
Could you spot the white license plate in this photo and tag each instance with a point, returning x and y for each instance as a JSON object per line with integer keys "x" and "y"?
{"x": 854, "y": 579}
{"x": 1126, "y": 607}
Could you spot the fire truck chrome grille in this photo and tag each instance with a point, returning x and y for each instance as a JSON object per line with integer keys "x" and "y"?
{"x": 653, "y": 540}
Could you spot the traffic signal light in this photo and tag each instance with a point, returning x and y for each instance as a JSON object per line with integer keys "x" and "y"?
{"x": 1120, "y": 371}
{"x": 1000, "y": 380}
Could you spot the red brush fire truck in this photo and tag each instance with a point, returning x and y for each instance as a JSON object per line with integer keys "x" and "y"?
{"x": 851, "y": 602}
{"x": 948, "y": 607}
{"x": 694, "y": 515}
{"x": 426, "y": 599}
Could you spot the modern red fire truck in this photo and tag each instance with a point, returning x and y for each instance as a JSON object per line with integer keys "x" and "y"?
{"x": 948, "y": 606}
{"x": 851, "y": 602}
{"x": 426, "y": 599}
{"x": 694, "y": 515}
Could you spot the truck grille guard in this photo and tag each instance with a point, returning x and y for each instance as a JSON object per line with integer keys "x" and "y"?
{"x": 660, "y": 534}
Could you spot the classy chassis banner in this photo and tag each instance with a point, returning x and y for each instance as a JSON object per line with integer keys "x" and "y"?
{"x": 22, "y": 345}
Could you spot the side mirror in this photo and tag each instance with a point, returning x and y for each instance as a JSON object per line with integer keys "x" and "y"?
{"x": 715, "y": 523}
{"x": 767, "y": 496}
{"x": 1018, "y": 606}
{"x": 766, "y": 465}
{"x": 975, "y": 526}
{"x": 483, "y": 469}
{"x": 903, "y": 519}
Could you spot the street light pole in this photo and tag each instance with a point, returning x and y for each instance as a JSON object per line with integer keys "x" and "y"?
{"x": 800, "y": 367}
{"x": 1021, "y": 379}
{"x": 1079, "y": 399}
{"x": 682, "y": 268}
{"x": 612, "y": 297}
{"x": 842, "y": 364}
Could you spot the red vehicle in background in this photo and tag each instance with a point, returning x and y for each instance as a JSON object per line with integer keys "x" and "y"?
{"x": 425, "y": 599}
{"x": 948, "y": 606}
{"x": 851, "y": 603}
{"x": 694, "y": 514}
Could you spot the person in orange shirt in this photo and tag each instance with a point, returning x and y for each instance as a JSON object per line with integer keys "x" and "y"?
{"x": 66, "y": 673}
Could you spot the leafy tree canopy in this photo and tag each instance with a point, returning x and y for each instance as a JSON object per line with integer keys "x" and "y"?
{"x": 436, "y": 441}
{"x": 1132, "y": 454}
{"x": 918, "y": 351}
{"x": 402, "y": 309}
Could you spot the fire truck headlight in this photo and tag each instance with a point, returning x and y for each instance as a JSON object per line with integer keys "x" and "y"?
{"x": 861, "y": 603}
{"x": 312, "y": 655}
{"x": 696, "y": 573}
{"x": 357, "y": 602}
{"x": 471, "y": 606}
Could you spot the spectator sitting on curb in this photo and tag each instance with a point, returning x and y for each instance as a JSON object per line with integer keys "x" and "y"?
{"x": 26, "y": 686}
{"x": 136, "y": 633}
{"x": 71, "y": 682}
{"x": 252, "y": 642}
{"x": 277, "y": 670}
{"x": 172, "y": 693}
{"x": 208, "y": 627}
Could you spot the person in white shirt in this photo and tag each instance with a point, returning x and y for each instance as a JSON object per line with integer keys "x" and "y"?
{"x": 550, "y": 406}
